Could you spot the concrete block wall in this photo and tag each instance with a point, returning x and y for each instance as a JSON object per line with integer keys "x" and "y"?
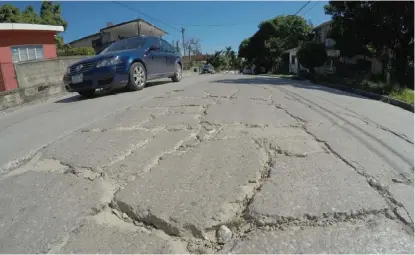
{"x": 38, "y": 79}
{"x": 43, "y": 72}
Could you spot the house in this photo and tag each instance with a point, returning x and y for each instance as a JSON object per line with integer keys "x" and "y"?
{"x": 23, "y": 42}
{"x": 111, "y": 33}
{"x": 294, "y": 66}
{"x": 322, "y": 35}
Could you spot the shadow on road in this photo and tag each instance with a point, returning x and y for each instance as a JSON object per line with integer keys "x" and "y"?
{"x": 103, "y": 93}
{"x": 260, "y": 80}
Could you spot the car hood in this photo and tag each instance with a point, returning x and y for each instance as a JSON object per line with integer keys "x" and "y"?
{"x": 120, "y": 53}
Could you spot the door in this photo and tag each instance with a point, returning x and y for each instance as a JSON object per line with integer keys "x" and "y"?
{"x": 155, "y": 60}
{"x": 170, "y": 53}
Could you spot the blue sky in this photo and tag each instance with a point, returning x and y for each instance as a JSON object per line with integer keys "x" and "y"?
{"x": 85, "y": 18}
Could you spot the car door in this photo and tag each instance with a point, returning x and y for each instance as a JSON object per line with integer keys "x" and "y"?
{"x": 155, "y": 60}
{"x": 170, "y": 57}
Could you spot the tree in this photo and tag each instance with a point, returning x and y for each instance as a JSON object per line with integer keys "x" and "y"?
{"x": 10, "y": 14}
{"x": 312, "y": 54}
{"x": 274, "y": 36}
{"x": 30, "y": 16}
{"x": 229, "y": 58}
{"x": 244, "y": 49}
{"x": 217, "y": 60}
{"x": 50, "y": 14}
{"x": 192, "y": 46}
{"x": 383, "y": 29}
{"x": 225, "y": 59}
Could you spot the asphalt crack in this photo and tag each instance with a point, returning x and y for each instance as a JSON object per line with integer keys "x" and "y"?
{"x": 381, "y": 189}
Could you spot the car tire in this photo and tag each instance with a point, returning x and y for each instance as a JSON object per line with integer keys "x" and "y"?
{"x": 137, "y": 77}
{"x": 178, "y": 73}
{"x": 87, "y": 93}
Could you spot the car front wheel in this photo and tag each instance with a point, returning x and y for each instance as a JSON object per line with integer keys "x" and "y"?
{"x": 177, "y": 74}
{"x": 138, "y": 77}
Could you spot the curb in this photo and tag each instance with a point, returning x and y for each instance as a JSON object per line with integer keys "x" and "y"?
{"x": 371, "y": 95}
{"x": 20, "y": 96}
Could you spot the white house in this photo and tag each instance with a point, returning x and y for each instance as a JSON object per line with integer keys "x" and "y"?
{"x": 322, "y": 33}
{"x": 294, "y": 66}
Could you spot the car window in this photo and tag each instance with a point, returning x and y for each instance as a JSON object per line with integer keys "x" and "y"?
{"x": 156, "y": 41}
{"x": 166, "y": 46}
{"x": 126, "y": 44}
{"x": 171, "y": 48}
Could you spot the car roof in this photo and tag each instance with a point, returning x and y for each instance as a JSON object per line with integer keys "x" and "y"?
{"x": 142, "y": 36}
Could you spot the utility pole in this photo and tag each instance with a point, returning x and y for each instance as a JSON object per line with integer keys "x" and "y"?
{"x": 177, "y": 45}
{"x": 184, "y": 50}
{"x": 190, "y": 58}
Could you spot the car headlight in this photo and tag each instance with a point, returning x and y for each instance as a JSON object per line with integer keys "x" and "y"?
{"x": 68, "y": 70}
{"x": 108, "y": 62}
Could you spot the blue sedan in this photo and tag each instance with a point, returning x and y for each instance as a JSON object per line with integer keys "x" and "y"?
{"x": 127, "y": 63}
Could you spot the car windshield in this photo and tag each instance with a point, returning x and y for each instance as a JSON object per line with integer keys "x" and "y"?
{"x": 125, "y": 44}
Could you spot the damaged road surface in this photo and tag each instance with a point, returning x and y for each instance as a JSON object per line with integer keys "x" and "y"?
{"x": 214, "y": 164}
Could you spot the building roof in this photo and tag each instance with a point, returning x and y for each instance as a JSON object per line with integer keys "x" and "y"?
{"x": 131, "y": 21}
{"x": 118, "y": 25}
{"x": 88, "y": 36}
{"x": 323, "y": 24}
{"x": 33, "y": 27}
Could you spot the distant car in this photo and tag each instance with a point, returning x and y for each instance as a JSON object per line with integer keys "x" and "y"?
{"x": 208, "y": 69}
{"x": 127, "y": 63}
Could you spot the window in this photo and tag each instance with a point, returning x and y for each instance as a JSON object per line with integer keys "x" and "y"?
{"x": 292, "y": 60}
{"x": 27, "y": 52}
{"x": 166, "y": 46}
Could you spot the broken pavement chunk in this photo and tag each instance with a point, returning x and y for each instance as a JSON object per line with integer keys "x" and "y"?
{"x": 96, "y": 149}
{"x": 39, "y": 209}
{"x": 105, "y": 233}
{"x": 187, "y": 194}
{"x": 313, "y": 186}
{"x": 380, "y": 236}
{"x": 248, "y": 113}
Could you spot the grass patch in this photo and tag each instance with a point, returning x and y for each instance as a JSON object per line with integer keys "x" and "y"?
{"x": 405, "y": 95}
{"x": 365, "y": 84}
{"x": 287, "y": 76}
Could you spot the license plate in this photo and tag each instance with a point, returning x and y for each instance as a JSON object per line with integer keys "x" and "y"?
{"x": 77, "y": 78}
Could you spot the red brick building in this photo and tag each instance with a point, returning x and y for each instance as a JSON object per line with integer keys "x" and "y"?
{"x": 23, "y": 42}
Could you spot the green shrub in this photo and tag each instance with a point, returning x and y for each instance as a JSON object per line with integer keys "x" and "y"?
{"x": 83, "y": 51}
{"x": 405, "y": 95}
{"x": 312, "y": 54}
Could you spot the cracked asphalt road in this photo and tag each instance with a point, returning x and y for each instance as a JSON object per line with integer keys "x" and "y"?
{"x": 213, "y": 164}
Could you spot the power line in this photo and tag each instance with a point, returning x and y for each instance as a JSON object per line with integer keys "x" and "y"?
{"x": 302, "y": 7}
{"x": 220, "y": 25}
{"x": 311, "y": 8}
{"x": 135, "y": 10}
